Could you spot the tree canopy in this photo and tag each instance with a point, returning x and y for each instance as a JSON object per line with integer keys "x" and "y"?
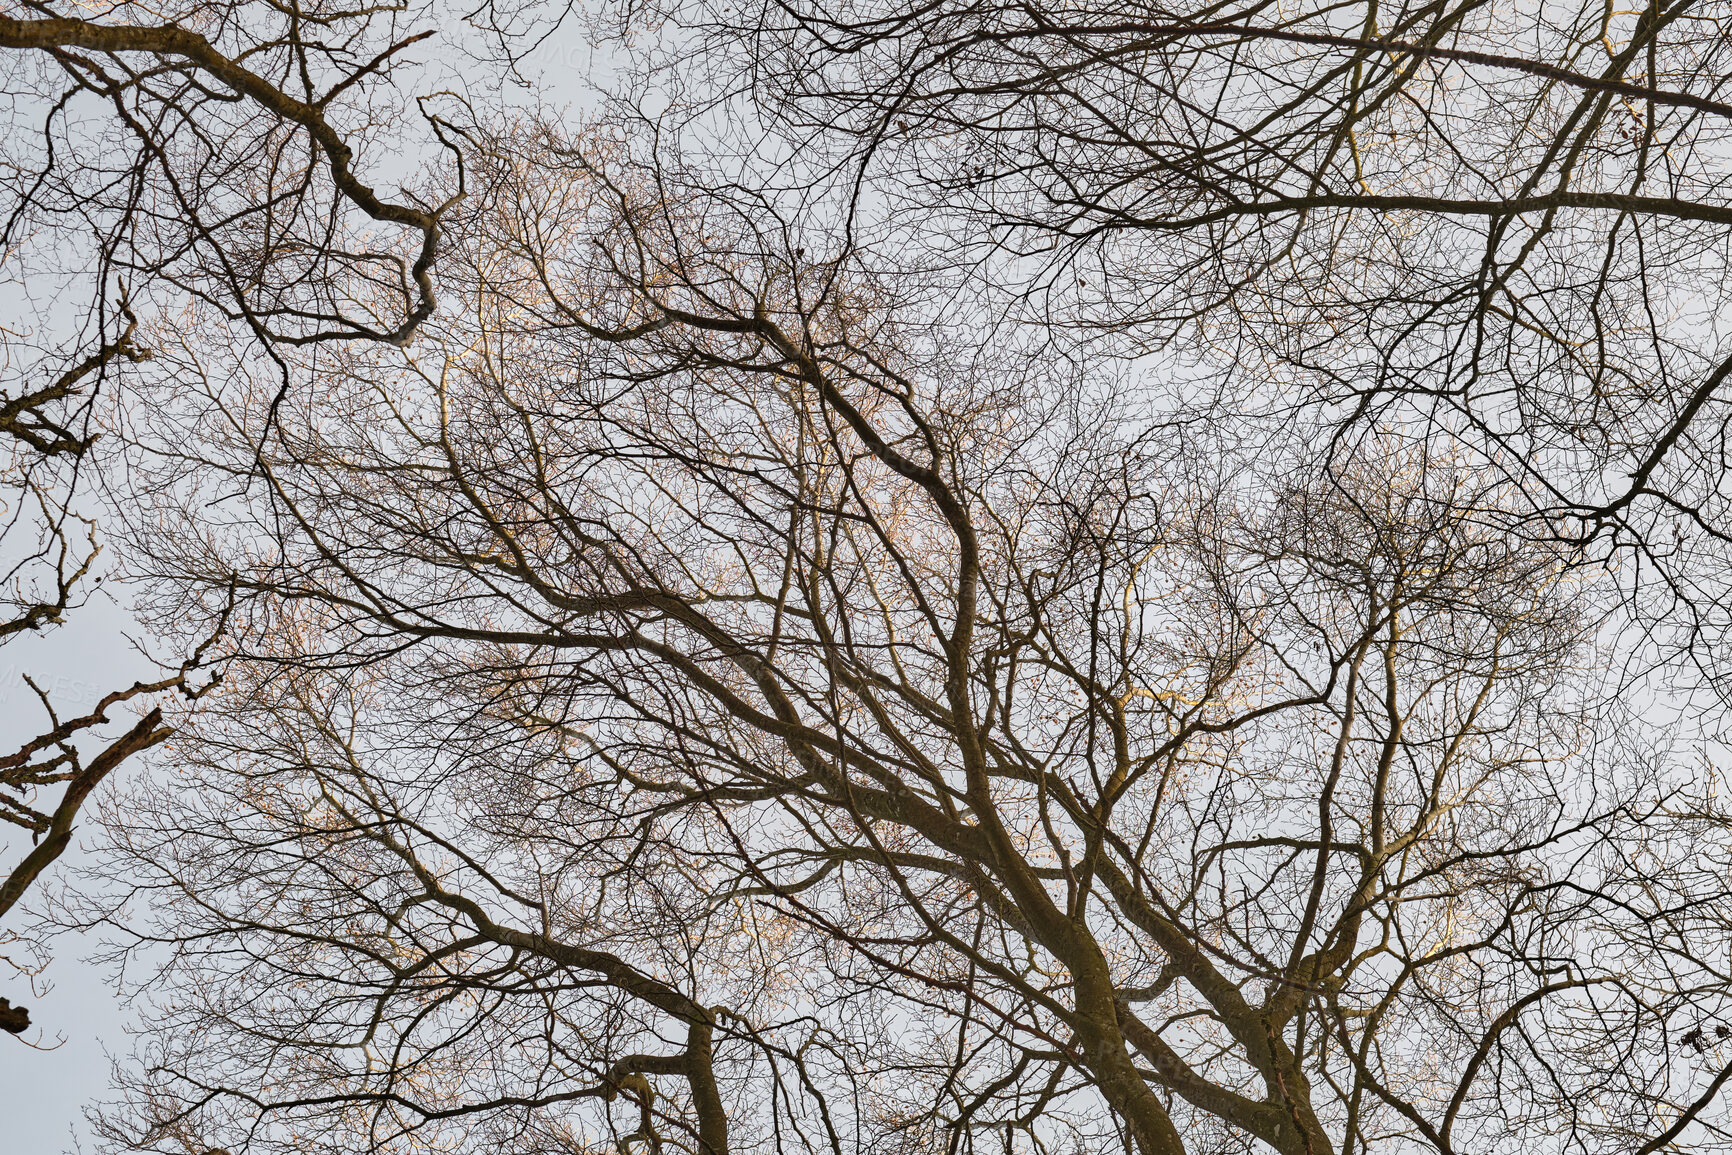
{"x": 959, "y": 577}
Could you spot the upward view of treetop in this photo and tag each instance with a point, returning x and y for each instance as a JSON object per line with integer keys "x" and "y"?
{"x": 853, "y": 577}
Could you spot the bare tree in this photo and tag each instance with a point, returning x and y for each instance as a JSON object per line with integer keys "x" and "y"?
{"x": 215, "y": 152}
{"x": 1502, "y": 224}
{"x": 1093, "y": 593}
{"x": 204, "y": 157}
{"x": 722, "y": 689}
{"x": 51, "y": 551}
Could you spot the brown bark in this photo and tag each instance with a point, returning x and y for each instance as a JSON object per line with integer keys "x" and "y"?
{"x": 147, "y": 733}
